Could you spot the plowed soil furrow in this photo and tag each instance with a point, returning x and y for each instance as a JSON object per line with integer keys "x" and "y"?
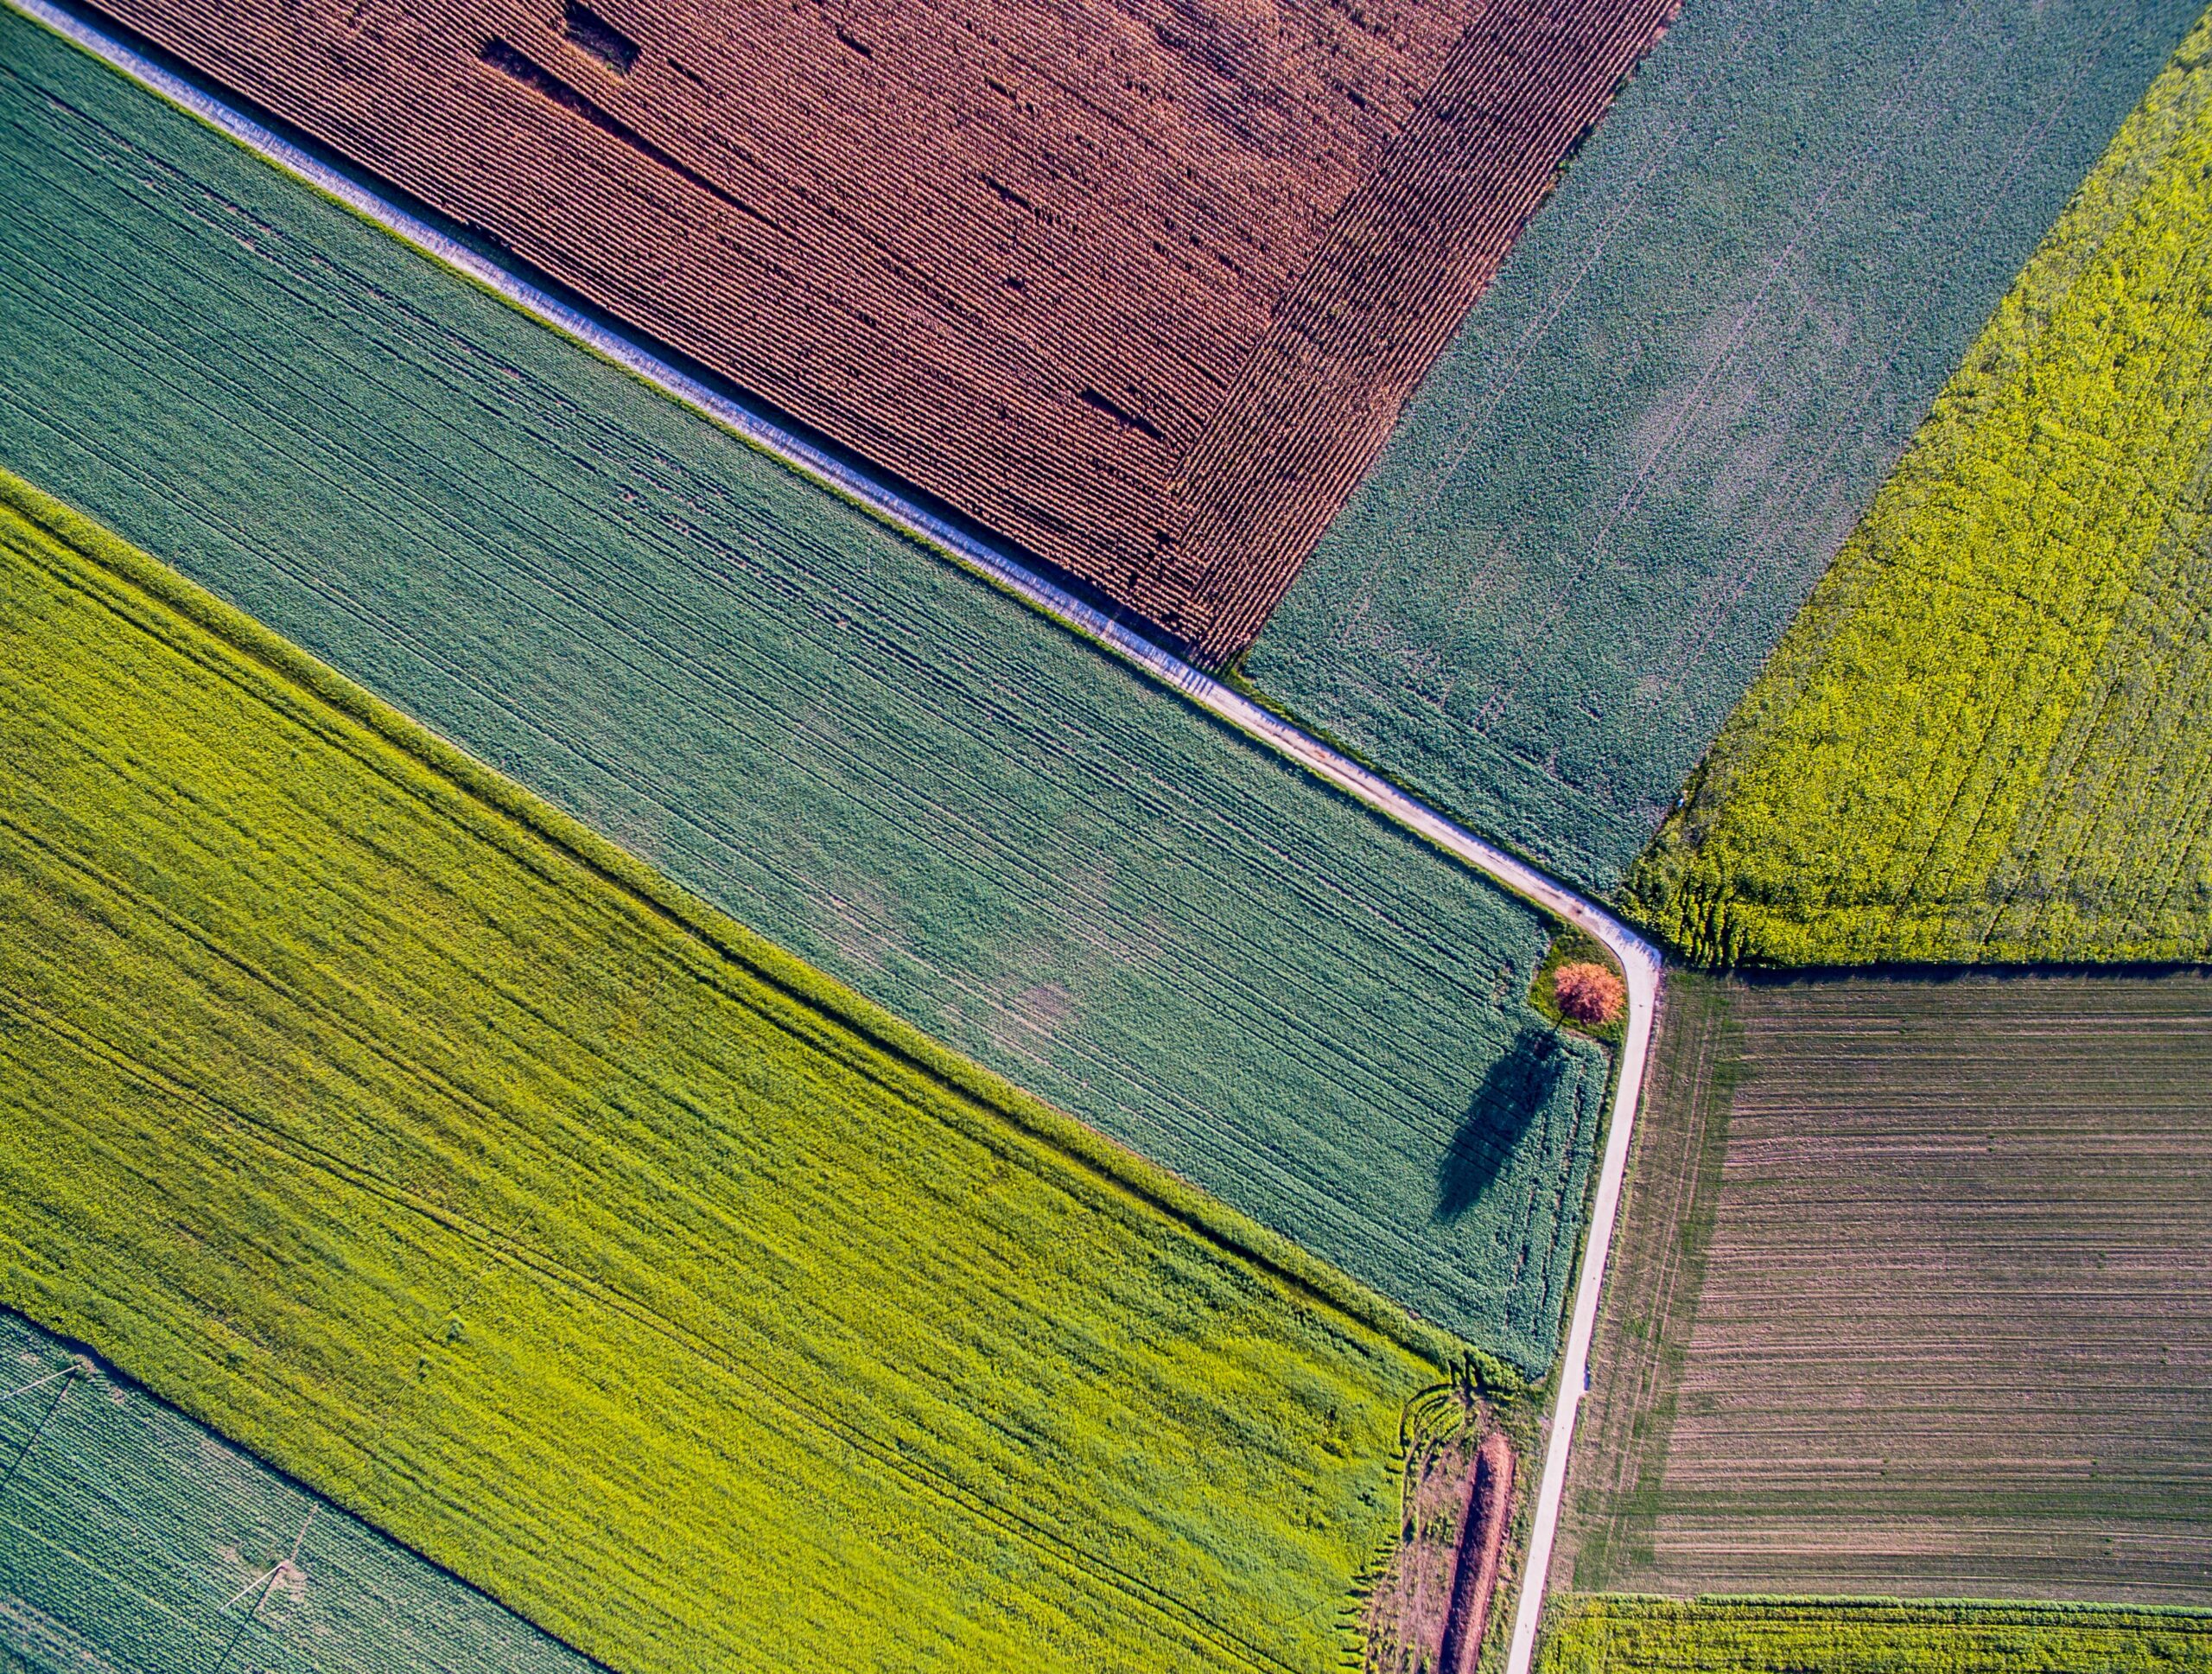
{"x": 1139, "y": 287}
{"x": 1913, "y": 1299}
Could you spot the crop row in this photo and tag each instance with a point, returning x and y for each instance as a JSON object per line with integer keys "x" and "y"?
{"x": 1611, "y": 493}
{"x": 1910, "y": 1296}
{"x": 1142, "y": 295}
{"x": 1837, "y": 1636}
{"x": 1986, "y": 737}
{"x": 850, "y": 746}
{"x": 582, "y": 1241}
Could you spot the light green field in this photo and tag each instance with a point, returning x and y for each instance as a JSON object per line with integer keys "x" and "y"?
{"x": 406, "y": 1133}
{"x": 1793, "y": 1636}
{"x": 1989, "y": 735}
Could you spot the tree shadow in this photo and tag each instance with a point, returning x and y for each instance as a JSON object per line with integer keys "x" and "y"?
{"x": 1499, "y": 1114}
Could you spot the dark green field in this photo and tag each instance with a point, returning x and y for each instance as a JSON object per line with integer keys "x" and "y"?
{"x": 133, "y": 1541}
{"x": 1912, "y": 1295}
{"x": 1610, "y": 495}
{"x": 858, "y": 750}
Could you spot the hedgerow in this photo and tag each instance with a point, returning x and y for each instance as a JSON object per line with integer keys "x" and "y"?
{"x": 1986, "y": 737}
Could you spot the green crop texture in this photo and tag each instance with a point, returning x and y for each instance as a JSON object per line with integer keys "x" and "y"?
{"x": 134, "y": 1542}
{"x": 400, "y": 1130}
{"x": 1807, "y": 1636}
{"x": 1989, "y": 736}
{"x": 856, "y": 749}
{"x": 1610, "y": 496}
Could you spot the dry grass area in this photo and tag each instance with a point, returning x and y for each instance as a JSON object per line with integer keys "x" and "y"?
{"x": 1434, "y": 1607}
{"x": 1914, "y": 1296}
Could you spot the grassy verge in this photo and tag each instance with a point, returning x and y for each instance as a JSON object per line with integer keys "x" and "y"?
{"x": 1570, "y": 946}
{"x": 1656, "y": 1269}
{"x": 1869, "y": 1636}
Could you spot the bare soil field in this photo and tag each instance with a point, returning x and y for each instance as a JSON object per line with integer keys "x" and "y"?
{"x": 1138, "y": 284}
{"x": 1913, "y": 1296}
{"x": 1431, "y": 1609}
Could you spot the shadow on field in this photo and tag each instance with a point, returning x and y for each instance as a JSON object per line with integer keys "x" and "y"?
{"x": 1499, "y": 1114}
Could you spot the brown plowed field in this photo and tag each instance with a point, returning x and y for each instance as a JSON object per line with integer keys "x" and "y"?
{"x": 1911, "y": 1295}
{"x": 1137, "y": 284}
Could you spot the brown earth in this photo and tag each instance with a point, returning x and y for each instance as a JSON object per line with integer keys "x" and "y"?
{"x": 1139, "y": 285}
{"x": 1482, "y": 1546}
{"x": 1431, "y": 1607}
{"x": 1911, "y": 1294}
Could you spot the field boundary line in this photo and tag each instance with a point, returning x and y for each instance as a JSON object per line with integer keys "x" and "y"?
{"x": 1640, "y": 960}
{"x": 813, "y": 1006}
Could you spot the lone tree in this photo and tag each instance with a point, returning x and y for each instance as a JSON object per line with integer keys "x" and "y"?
{"x": 1590, "y": 993}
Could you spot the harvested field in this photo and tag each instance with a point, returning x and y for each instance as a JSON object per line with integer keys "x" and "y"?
{"x": 1139, "y": 286}
{"x": 133, "y": 1541}
{"x": 404, "y": 1131}
{"x": 1744, "y": 1636}
{"x": 1912, "y": 1294}
{"x": 1988, "y": 737}
{"x": 852, "y": 747}
{"x": 1609, "y": 498}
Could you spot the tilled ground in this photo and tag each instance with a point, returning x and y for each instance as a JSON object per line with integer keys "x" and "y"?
{"x": 1138, "y": 284}
{"x": 1935, "y": 1320}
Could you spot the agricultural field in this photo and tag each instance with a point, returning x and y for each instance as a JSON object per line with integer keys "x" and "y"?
{"x": 1139, "y": 287}
{"x": 1989, "y": 735}
{"x": 408, "y": 1134}
{"x": 1610, "y": 496}
{"x": 1729, "y": 1636}
{"x": 851, "y": 746}
{"x": 1912, "y": 1295}
{"x": 133, "y": 1541}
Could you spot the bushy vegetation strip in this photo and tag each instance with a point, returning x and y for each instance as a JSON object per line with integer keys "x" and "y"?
{"x": 405, "y": 1132}
{"x": 1015, "y": 843}
{"x": 1607, "y": 501}
{"x": 1989, "y": 735}
{"x": 1870, "y": 1636}
{"x": 133, "y": 1541}
{"x": 1910, "y": 1296}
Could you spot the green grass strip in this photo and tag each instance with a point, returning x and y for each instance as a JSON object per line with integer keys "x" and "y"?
{"x": 1619, "y": 1635}
{"x": 396, "y": 1126}
{"x": 1986, "y": 738}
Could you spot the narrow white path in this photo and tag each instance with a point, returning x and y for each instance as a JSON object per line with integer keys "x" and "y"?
{"x": 1639, "y": 960}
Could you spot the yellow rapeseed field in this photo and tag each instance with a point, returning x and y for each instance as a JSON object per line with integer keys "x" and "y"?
{"x": 392, "y": 1124}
